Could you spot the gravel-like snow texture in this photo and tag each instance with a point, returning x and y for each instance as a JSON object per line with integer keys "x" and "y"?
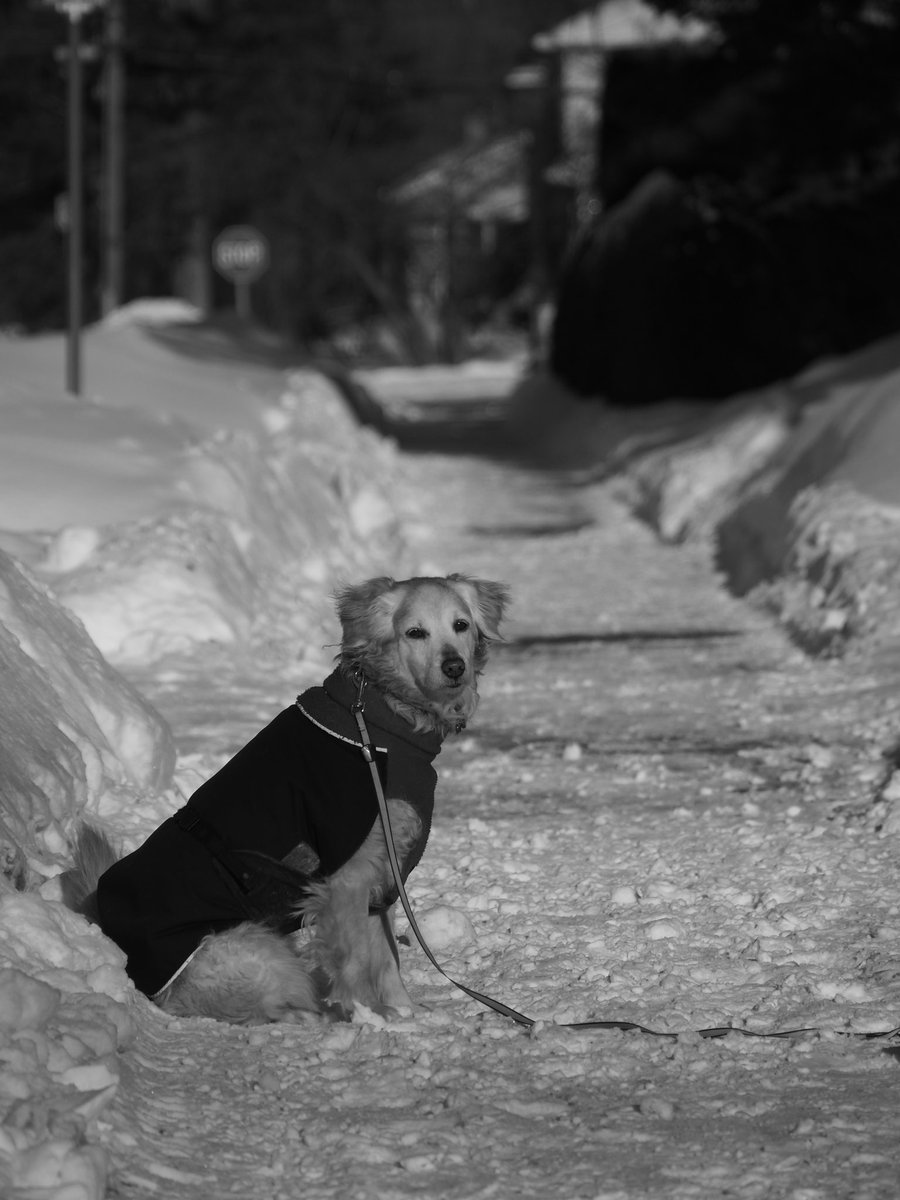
{"x": 663, "y": 812}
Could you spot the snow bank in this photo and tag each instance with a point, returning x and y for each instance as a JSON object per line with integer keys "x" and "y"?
{"x": 258, "y": 519}
{"x": 73, "y": 732}
{"x": 153, "y": 310}
{"x": 64, "y": 1015}
{"x": 683, "y": 493}
{"x": 838, "y": 580}
{"x": 737, "y": 475}
{"x": 478, "y": 378}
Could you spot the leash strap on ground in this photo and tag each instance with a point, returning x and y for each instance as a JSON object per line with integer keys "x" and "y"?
{"x": 717, "y": 1031}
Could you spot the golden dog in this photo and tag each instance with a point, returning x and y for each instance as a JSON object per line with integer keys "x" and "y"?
{"x": 287, "y": 832}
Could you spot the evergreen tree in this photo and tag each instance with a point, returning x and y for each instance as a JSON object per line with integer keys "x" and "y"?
{"x": 289, "y": 116}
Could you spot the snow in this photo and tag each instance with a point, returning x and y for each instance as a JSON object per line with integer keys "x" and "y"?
{"x": 75, "y": 733}
{"x": 446, "y": 928}
{"x": 64, "y": 1018}
{"x": 481, "y": 378}
{"x": 178, "y": 533}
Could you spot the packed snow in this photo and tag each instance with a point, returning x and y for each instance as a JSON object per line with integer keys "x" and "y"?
{"x": 189, "y": 513}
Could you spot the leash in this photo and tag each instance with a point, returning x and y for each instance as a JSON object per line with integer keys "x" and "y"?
{"x": 368, "y": 753}
{"x": 716, "y": 1031}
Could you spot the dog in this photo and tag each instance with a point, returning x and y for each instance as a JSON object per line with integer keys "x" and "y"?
{"x": 287, "y": 835}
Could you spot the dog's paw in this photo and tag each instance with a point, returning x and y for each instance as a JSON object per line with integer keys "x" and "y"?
{"x": 390, "y": 1013}
{"x": 372, "y": 1014}
{"x": 379, "y": 1015}
{"x": 297, "y": 1017}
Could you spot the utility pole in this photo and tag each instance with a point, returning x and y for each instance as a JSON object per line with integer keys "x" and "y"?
{"x": 75, "y": 10}
{"x": 75, "y": 190}
{"x": 113, "y": 239}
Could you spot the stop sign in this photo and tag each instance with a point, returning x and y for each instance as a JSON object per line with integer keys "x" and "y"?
{"x": 240, "y": 253}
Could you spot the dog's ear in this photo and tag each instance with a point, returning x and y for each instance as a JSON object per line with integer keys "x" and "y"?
{"x": 365, "y": 611}
{"x": 486, "y": 599}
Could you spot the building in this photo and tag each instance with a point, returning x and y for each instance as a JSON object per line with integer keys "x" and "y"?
{"x": 486, "y": 223}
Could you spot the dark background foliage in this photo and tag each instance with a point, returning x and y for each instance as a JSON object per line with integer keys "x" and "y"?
{"x": 751, "y": 198}
{"x": 749, "y": 188}
{"x": 291, "y": 117}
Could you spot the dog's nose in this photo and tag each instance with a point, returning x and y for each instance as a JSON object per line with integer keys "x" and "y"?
{"x": 453, "y": 667}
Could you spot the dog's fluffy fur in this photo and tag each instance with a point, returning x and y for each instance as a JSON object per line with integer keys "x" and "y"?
{"x": 422, "y": 644}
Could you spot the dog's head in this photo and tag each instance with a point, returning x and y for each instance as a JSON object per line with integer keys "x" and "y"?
{"x": 422, "y": 642}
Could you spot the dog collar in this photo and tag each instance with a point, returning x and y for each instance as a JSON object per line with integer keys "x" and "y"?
{"x": 330, "y": 707}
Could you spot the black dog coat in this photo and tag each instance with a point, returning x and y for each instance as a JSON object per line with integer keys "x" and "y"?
{"x": 291, "y": 807}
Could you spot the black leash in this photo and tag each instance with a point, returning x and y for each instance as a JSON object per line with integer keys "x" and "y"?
{"x": 716, "y": 1031}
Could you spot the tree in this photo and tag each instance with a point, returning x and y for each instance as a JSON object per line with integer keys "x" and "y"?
{"x": 292, "y": 116}
{"x": 838, "y": 92}
{"x": 752, "y": 186}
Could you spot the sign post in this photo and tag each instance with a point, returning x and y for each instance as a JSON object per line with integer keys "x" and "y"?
{"x": 240, "y": 254}
{"x": 76, "y": 11}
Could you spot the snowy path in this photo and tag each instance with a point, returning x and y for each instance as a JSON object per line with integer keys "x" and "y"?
{"x": 652, "y": 818}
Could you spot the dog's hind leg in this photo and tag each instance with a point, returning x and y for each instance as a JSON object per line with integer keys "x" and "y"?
{"x": 247, "y": 975}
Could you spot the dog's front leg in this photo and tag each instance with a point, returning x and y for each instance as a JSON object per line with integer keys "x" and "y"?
{"x": 341, "y": 913}
{"x": 392, "y": 994}
{"x": 356, "y": 947}
{"x": 365, "y": 970}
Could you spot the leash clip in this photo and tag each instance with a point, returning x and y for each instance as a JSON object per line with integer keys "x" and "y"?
{"x": 358, "y": 708}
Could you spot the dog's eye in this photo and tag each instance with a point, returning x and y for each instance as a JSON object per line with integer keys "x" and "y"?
{"x": 460, "y": 626}
{"x": 416, "y": 632}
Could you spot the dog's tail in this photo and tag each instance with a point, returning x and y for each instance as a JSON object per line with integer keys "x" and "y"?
{"x": 92, "y": 855}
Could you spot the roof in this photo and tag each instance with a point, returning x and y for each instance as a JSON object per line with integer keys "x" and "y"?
{"x": 486, "y": 180}
{"x": 617, "y": 24}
